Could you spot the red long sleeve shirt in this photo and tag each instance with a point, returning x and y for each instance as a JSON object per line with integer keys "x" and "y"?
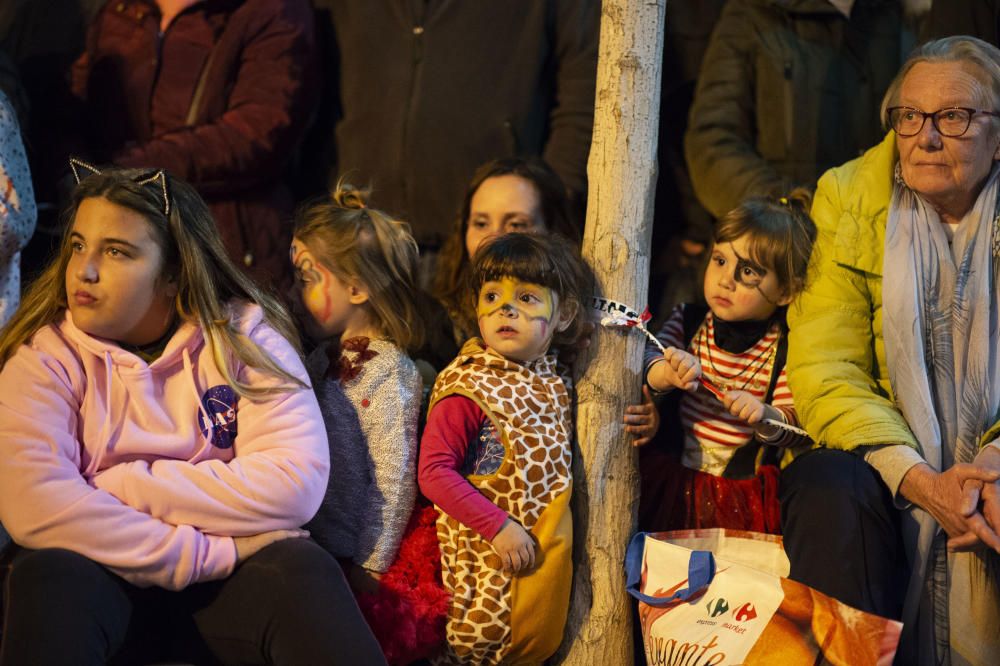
{"x": 453, "y": 423}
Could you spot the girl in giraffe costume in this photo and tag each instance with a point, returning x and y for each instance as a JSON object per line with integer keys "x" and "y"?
{"x": 495, "y": 455}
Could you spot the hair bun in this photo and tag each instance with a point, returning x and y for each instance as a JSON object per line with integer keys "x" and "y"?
{"x": 800, "y": 197}
{"x": 346, "y": 195}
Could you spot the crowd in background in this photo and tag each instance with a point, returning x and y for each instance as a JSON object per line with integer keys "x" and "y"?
{"x": 463, "y": 124}
{"x": 263, "y": 105}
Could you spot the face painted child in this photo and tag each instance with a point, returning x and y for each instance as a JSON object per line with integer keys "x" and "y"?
{"x": 737, "y": 288}
{"x": 326, "y": 305}
{"x": 518, "y": 319}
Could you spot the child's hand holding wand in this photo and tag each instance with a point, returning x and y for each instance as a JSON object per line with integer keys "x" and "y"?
{"x": 677, "y": 369}
{"x": 748, "y": 408}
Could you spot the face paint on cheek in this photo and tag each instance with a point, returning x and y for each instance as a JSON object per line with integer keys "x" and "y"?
{"x": 318, "y": 303}
{"x": 321, "y": 287}
{"x": 314, "y": 294}
{"x": 547, "y": 305}
{"x": 544, "y": 311}
{"x": 295, "y": 251}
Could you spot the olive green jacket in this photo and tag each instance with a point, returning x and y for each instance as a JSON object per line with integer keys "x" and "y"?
{"x": 836, "y": 355}
{"x": 788, "y": 89}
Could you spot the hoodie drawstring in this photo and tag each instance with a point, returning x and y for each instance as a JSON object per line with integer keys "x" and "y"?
{"x": 104, "y": 438}
{"x": 189, "y": 371}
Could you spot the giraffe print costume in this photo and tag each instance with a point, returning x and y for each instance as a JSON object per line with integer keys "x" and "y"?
{"x": 497, "y": 616}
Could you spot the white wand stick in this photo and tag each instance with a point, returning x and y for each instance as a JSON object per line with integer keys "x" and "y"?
{"x": 619, "y": 316}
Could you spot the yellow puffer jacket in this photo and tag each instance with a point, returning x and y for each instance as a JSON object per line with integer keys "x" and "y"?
{"x": 836, "y": 355}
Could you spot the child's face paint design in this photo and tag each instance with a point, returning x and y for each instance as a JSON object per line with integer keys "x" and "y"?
{"x": 736, "y": 288}
{"x": 517, "y": 319}
{"x": 321, "y": 299}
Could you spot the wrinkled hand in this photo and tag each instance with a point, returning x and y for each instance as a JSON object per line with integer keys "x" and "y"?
{"x": 363, "y": 581}
{"x": 679, "y": 370}
{"x": 744, "y": 406}
{"x": 248, "y": 546}
{"x": 943, "y": 495}
{"x": 981, "y": 506}
{"x": 515, "y": 546}
{"x": 642, "y": 421}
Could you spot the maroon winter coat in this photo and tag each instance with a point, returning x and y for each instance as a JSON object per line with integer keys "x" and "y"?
{"x": 220, "y": 99}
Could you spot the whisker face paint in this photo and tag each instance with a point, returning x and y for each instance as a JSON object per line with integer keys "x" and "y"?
{"x": 517, "y": 318}
{"x": 530, "y": 300}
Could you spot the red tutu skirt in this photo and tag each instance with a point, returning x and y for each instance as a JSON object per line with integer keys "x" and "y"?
{"x": 407, "y": 614}
{"x": 674, "y": 497}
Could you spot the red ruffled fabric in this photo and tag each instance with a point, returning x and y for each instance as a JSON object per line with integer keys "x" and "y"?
{"x": 408, "y": 613}
{"x": 689, "y": 499}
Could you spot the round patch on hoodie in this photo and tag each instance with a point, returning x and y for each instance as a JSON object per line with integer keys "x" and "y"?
{"x": 220, "y": 406}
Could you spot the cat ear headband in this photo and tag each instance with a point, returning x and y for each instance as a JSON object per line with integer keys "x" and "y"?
{"x": 147, "y": 178}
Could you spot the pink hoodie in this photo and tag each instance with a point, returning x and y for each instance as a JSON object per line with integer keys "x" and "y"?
{"x": 152, "y": 469}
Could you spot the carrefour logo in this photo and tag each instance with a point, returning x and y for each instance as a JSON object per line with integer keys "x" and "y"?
{"x": 720, "y": 606}
{"x": 717, "y": 607}
{"x": 745, "y": 612}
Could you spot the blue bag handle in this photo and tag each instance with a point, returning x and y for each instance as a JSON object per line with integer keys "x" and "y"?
{"x": 701, "y": 570}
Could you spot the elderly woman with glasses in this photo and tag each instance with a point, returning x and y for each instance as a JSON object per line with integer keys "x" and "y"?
{"x": 894, "y": 361}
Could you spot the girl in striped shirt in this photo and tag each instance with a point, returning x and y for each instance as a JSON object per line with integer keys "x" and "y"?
{"x": 728, "y": 362}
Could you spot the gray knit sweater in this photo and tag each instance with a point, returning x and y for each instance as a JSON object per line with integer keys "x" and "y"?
{"x": 371, "y": 421}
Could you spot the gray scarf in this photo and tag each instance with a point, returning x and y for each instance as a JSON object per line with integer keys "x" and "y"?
{"x": 940, "y": 308}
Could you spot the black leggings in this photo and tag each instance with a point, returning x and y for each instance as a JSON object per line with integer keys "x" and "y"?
{"x": 288, "y": 604}
{"x": 842, "y": 532}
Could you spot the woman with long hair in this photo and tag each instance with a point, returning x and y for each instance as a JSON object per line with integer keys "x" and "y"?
{"x": 162, "y": 450}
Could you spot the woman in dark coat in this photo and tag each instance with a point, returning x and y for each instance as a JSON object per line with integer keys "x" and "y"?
{"x": 218, "y": 93}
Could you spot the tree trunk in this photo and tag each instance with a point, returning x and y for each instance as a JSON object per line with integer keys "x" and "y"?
{"x": 622, "y": 177}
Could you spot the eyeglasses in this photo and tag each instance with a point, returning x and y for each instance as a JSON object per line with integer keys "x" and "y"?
{"x": 951, "y": 122}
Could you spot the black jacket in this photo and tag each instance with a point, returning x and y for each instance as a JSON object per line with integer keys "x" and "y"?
{"x": 427, "y": 90}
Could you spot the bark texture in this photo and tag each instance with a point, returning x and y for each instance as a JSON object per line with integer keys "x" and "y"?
{"x": 622, "y": 179}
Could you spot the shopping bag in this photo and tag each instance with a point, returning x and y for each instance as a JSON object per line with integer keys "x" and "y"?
{"x": 701, "y": 609}
{"x": 753, "y": 549}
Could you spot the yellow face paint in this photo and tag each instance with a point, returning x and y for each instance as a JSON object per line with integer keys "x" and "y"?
{"x": 531, "y": 300}
{"x": 321, "y": 299}
{"x": 516, "y": 318}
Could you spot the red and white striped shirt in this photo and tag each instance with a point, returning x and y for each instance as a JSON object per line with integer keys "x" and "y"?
{"x": 712, "y": 434}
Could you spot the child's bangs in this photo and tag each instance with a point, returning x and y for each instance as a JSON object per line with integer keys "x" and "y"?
{"x": 527, "y": 266}
{"x": 765, "y": 232}
{"x": 765, "y": 249}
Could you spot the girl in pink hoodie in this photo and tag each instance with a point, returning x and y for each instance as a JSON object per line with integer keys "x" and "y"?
{"x": 161, "y": 449}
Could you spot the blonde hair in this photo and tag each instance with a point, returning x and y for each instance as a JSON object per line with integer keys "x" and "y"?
{"x": 960, "y": 48}
{"x": 193, "y": 255}
{"x": 780, "y": 234}
{"x": 355, "y": 242}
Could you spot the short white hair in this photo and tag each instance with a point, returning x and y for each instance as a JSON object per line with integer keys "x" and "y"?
{"x": 960, "y": 48}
